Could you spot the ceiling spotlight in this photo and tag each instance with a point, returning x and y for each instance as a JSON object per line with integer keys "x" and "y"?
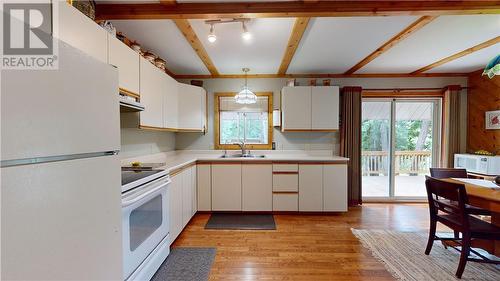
{"x": 246, "y": 34}
{"x": 211, "y": 37}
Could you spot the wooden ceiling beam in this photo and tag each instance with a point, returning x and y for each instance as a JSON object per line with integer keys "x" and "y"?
{"x": 299, "y": 27}
{"x": 196, "y": 44}
{"x": 168, "y": 2}
{"x": 412, "y": 28}
{"x": 293, "y": 9}
{"x": 323, "y": 75}
{"x": 465, "y": 52}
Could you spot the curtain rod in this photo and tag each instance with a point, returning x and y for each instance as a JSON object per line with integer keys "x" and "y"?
{"x": 408, "y": 89}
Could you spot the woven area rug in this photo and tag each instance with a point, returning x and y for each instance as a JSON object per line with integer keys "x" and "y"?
{"x": 403, "y": 256}
{"x": 186, "y": 264}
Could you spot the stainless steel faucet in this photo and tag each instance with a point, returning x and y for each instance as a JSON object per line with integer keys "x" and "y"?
{"x": 242, "y": 145}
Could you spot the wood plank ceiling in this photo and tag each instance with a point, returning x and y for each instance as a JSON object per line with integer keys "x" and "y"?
{"x": 316, "y": 38}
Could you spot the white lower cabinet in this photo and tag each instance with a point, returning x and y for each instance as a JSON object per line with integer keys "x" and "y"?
{"x": 194, "y": 191}
{"x": 175, "y": 207}
{"x": 257, "y": 187}
{"x": 286, "y": 202}
{"x": 286, "y": 183}
{"x": 254, "y": 187}
{"x": 204, "y": 185}
{"x": 187, "y": 196}
{"x": 226, "y": 187}
{"x": 335, "y": 188}
{"x": 182, "y": 203}
{"x": 310, "y": 188}
{"x": 323, "y": 188}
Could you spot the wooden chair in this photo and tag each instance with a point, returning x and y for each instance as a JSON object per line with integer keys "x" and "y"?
{"x": 447, "y": 205}
{"x": 443, "y": 173}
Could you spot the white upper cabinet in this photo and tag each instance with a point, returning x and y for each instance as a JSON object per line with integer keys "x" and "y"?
{"x": 310, "y": 108}
{"x": 168, "y": 104}
{"x": 127, "y": 62}
{"x": 296, "y": 108}
{"x": 81, "y": 32}
{"x": 152, "y": 88}
{"x": 191, "y": 107}
{"x": 325, "y": 108}
{"x": 171, "y": 103}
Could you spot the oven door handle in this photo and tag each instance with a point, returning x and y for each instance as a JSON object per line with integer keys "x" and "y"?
{"x": 141, "y": 196}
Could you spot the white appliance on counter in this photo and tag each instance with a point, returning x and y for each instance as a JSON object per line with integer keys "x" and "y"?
{"x": 481, "y": 164}
{"x": 146, "y": 242}
{"x": 60, "y": 175}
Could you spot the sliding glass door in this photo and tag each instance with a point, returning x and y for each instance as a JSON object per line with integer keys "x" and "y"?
{"x": 400, "y": 142}
{"x": 376, "y": 148}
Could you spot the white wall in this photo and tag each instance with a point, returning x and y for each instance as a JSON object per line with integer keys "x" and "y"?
{"x": 137, "y": 142}
{"x": 302, "y": 141}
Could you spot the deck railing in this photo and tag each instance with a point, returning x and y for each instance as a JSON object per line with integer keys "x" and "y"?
{"x": 376, "y": 163}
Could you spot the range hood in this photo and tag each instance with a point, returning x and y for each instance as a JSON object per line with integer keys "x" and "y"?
{"x": 129, "y": 104}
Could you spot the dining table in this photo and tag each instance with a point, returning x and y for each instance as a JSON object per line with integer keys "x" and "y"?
{"x": 483, "y": 194}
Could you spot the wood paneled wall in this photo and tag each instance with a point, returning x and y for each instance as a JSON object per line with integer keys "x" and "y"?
{"x": 483, "y": 95}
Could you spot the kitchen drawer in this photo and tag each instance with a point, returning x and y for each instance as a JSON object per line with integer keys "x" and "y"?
{"x": 285, "y": 202}
{"x": 285, "y": 167}
{"x": 286, "y": 182}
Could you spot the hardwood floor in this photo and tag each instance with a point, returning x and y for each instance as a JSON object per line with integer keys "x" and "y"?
{"x": 304, "y": 247}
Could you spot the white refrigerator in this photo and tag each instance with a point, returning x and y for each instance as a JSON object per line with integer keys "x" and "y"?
{"x": 60, "y": 173}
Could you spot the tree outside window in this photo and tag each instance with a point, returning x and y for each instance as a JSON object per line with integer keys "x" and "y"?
{"x": 249, "y": 123}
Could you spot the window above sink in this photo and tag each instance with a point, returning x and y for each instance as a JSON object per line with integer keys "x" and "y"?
{"x": 249, "y": 123}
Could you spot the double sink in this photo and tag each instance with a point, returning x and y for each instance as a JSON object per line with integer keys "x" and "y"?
{"x": 239, "y": 155}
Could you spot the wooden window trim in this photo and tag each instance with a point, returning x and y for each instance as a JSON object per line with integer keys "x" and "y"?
{"x": 218, "y": 145}
{"x": 403, "y": 94}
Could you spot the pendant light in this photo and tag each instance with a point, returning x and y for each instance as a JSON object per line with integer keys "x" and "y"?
{"x": 245, "y": 96}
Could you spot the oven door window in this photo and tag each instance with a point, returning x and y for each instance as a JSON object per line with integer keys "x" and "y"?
{"x": 144, "y": 221}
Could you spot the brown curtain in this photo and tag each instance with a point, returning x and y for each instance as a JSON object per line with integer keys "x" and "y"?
{"x": 450, "y": 143}
{"x": 350, "y": 140}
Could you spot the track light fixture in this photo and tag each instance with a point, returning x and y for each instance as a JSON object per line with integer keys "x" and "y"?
{"x": 246, "y": 35}
{"x": 212, "y": 37}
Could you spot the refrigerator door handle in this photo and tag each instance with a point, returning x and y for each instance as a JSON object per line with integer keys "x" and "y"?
{"x": 47, "y": 159}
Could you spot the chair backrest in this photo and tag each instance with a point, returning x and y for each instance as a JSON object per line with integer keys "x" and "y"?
{"x": 447, "y": 197}
{"x": 441, "y": 173}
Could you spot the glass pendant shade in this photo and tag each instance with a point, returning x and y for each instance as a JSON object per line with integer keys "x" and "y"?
{"x": 245, "y": 96}
{"x": 493, "y": 67}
